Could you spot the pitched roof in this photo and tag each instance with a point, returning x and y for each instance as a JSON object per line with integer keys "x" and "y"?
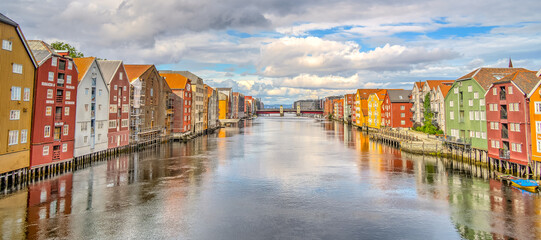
{"x": 444, "y": 89}
{"x": 365, "y": 93}
{"x": 526, "y": 80}
{"x": 41, "y": 51}
{"x": 134, "y": 71}
{"x": 419, "y": 84}
{"x": 175, "y": 80}
{"x": 433, "y": 84}
{"x": 83, "y": 64}
{"x": 109, "y": 68}
{"x": 7, "y": 20}
{"x": 210, "y": 90}
{"x": 399, "y": 96}
{"x": 486, "y": 76}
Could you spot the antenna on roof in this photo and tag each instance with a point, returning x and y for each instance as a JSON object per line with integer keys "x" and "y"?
{"x": 510, "y": 63}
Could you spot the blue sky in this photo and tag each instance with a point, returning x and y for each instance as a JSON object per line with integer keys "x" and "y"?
{"x": 281, "y": 50}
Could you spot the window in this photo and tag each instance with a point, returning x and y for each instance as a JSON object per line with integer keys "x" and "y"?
{"x": 70, "y": 65}
{"x": 68, "y": 95}
{"x": 496, "y": 125}
{"x": 125, "y": 108}
{"x": 66, "y": 130}
{"x": 83, "y": 127}
{"x": 13, "y": 137}
{"x": 471, "y": 115}
{"x": 492, "y": 143}
{"x": 65, "y": 145}
{"x": 472, "y": 133}
{"x": 402, "y": 122}
{"x": 478, "y": 134}
{"x": 484, "y": 135}
{"x": 494, "y": 91}
{"x": 49, "y": 93}
{"x": 120, "y": 77}
{"x": 6, "y": 45}
{"x": 124, "y": 88}
{"x": 451, "y": 103}
{"x": 54, "y": 61}
{"x": 26, "y": 94}
{"x": 16, "y": 93}
{"x": 116, "y": 87}
{"x": 14, "y": 115}
{"x": 512, "y": 127}
{"x": 470, "y": 88}
{"x": 538, "y": 145}
{"x": 85, "y": 139}
{"x": 513, "y": 147}
{"x": 62, "y": 65}
{"x": 151, "y": 92}
{"x": 483, "y": 116}
{"x": 476, "y": 115}
{"x": 402, "y": 115}
{"x": 476, "y": 95}
{"x": 100, "y": 125}
{"x": 510, "y": 90}
{"x": 47, "y": 131}
{"x": 402, "y": 107}
{"x": 124, "y": 122}
{"x": 48, "y": 110}
{"x": 452, "y": 115}
{"x": 517, "y": 127}
{"x": 24, "y": 136}
{"x": 497, "y": 144}
{"x": 45, "y": 150}
{"x": 482, "y": 102}
{"x": 99, "y": 93}
{"x": 518, "y": 147}
{"x": 112, "y": 123}
{"x": 114, "y": 98}
{"x": 470, "y": 102}
{"x": 66, "y": 111}
{"x": 456, "y": 90}
{"x": 51, "y": 76}
{"x": 124, "y": 98}
{"x": 86, "y": 91}
{"x": 511, "y": 106}
{"x": 516, "y": 106}
{"x": 68, "y": 79}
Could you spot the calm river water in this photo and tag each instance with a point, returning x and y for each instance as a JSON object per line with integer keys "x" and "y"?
{"x": 275, "y": 178}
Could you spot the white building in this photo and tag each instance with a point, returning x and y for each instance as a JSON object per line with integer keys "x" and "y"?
{"x": 92, "y": 114}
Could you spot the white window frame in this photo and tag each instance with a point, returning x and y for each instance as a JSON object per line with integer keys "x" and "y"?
{"x": 470, "y": 102}
{"x": 471, "y": 115}
{"x": 54, "y": 61}
{"x": 15, "y": 93}
{"x": 70, "y": 65}
{"x": 17, "y": 68}
{"x": 14, "y": 114}
{"x": 64, "y": 147}
{"x": 24, "y": 136}
{"x": 7, "y": 45}
{"x": 48, "y": 111}
{"x": 510, "y": 90}
{"x": 68, "y": 79}
{"x": 50, "y": 93}
{"x": 476, "y": 95}
{"x": 66, "y": 130}
{"x": 476, "y": 115}
{"x": 451, "y": 103}
{"x": 452, "y": 115}
{"x": 26, "y": 94}
{"x": 66, "y": 111}
{"x": 470, "y": 88}
{"x": 494, "y": 91}
{"x": 13, "y": 137}
{"x": 46, "y": 150}
{"x": 50, "y": 78}
{"x": 47, "y": 131}
{"x": 68, "y": 95}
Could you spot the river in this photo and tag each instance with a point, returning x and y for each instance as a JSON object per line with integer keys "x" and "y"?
{"x": 273, "y": 178}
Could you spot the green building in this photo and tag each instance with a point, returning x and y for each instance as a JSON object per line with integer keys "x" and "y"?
{"x": 465, "y": 111}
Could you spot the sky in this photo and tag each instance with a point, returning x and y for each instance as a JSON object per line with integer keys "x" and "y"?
{"x": 285, "y": 50}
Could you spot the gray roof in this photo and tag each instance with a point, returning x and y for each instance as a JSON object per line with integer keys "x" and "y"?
{"x": 41, "y": 50}
{"x": 7, "y": 20}
{"x": 109, "y": 68}
{"x": 398, "y": 96}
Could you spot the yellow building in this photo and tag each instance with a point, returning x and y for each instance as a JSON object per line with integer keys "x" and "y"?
{"x": 361, "y": 106}
{"x": 17, "y": 69}
{"x": 223, "y": 105}
{"x": 374, "y": 108}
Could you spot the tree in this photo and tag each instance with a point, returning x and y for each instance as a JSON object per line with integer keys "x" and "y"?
{"x": 427, "y": 123}
{"x": 66, "y": 46}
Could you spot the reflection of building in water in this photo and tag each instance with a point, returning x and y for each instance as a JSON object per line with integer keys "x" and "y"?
{"x": 12, "y": 215}
{"x": 431, "y": 177}
{"x": 515, "y": 214}
{"x": 469, "y": 200}
{"x": 49, "y": 199}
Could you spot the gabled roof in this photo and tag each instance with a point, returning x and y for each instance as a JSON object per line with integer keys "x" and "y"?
{"x": 175, "y": 80}
{"x": 10, "y": 22}
{"x": 433, "y": 84}
{"x": 419, "y": 85}
{"x": 399, "y": 96}
{"x": 109, "y": 68}
{"x": 134, "y": 71}
{"x": 83, "y": 64}
{"x": 365, "y": 93}
{"x": 41, "y": 50}
{"x": 444, "y": 89}
{"x": 486, "y": 76}
{"x": 210, "y": 90}
{"x": 526, "y": 80}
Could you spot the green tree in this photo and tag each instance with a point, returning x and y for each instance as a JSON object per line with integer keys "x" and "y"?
{"x": 66, "y": 46}
{"x": 427, "y": 123}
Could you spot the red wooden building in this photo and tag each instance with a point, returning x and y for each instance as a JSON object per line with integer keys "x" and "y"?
{"x": 396, "y": 109}
{"x": 181, "y": 86}
{"x": 118, "y": 83}
{"x": 53, "y": 125}
{"x": 508, "y": 117}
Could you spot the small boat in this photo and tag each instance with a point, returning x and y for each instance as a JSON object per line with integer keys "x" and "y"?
{"x": 528, "y": 185}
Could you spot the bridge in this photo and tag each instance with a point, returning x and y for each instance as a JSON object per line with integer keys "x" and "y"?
{"x": 282, "y": 110}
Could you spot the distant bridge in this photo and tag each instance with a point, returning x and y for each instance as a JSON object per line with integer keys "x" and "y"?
{"x": 287, "y": 110}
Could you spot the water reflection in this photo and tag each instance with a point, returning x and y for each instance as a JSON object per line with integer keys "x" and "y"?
{"x": 273, "y": 178}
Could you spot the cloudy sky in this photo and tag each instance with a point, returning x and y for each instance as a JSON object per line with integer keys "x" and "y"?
{"x": 283, "y": 50}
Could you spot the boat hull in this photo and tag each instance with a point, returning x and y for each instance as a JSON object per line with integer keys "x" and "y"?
{"x": 528, "y": 188}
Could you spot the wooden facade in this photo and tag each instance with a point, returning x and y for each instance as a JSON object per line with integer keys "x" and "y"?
{"x": 55, "y": 97}
{"x": 16, "y": 94}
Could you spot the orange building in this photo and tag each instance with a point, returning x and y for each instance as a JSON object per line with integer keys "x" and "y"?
{"x": 535, "y": 125}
